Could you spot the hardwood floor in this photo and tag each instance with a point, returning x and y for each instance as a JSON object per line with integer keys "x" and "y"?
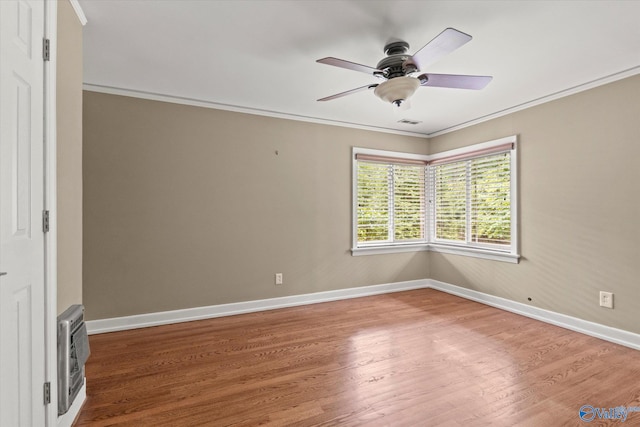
{"x": 415, "y": 358}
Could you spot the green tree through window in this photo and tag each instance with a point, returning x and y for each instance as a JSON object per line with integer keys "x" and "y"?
{"x": 473, "y": 200}
{"x": 391, "y": 202}
{"x": 373, "y": 202}
{"x": 491, "y": 199}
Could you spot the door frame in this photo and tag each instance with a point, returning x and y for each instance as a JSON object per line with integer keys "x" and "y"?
{"x": 50, "y": 198}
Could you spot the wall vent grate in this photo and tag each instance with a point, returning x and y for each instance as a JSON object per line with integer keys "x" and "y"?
{"x": 409, "y": 122}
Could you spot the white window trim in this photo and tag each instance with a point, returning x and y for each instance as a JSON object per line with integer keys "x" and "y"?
{"x": 498, "y": 254}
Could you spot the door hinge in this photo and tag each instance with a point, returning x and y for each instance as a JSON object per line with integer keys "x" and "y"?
{"x": 45, "y": 221}
{"x": 46, "y": 49}
{"x": 47, "y": 393}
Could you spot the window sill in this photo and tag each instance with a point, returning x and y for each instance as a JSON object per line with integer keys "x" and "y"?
{"x": 475, "y": 252}
{"x": 435, "y": 247}
{"x": 389, "y": 249}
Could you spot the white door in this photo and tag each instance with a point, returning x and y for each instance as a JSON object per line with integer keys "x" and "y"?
{"x": 22, "y": 304}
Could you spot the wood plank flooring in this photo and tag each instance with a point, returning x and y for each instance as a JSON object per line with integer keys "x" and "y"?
{"x": 415, "y": 358}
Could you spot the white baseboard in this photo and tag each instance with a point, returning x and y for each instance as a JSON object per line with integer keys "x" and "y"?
{"x": 208, "y": 312}
{"x": 67, "y": 419}
{"x": 618, "y": 336}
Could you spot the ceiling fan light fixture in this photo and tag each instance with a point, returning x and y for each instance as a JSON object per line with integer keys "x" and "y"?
{"x": 397, "y": 90}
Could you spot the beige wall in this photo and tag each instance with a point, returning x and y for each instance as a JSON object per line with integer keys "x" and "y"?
{"x": 579, "y": 207}
{"x": 188, "y": 207}
{"x": 69, "y": 156}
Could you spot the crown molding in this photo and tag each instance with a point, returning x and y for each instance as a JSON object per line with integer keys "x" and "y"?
{"x": 79, "y": 12}
{"x": 544, "y": 99}
{"x": 276, "y": 114}
{"x": 238, "y": 109}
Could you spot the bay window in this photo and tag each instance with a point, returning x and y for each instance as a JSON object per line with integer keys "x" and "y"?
{"x": 461, "y": 201}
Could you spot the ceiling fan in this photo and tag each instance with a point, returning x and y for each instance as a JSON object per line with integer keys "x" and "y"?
{"x": 398, "y": 68}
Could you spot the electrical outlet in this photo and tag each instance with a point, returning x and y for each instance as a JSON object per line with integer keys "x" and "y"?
{"x": 606, "y": 299}
{"x": 278, "y": 278}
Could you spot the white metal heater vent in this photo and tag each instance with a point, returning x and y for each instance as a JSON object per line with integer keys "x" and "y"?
{"x": 73, "y": 352}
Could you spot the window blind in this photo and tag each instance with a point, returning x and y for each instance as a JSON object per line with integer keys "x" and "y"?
{"x": 389, "y": 159}
{"x": 490, "y": 198}
{"x": 408, "y": 202}
{"x": 450, "y": 213}
{"x": 374, "y": 192}
{"x": 472, "y": 200}
{"x": 391, "y": 202}
{"x": 472, "y": 154}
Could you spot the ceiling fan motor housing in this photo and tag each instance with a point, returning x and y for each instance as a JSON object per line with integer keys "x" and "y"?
{"x": 397, "y": 63}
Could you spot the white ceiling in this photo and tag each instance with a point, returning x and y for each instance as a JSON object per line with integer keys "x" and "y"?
{"x": 259, "y": 56}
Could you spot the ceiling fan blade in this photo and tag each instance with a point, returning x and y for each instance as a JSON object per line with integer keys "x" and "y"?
{"x": 444, "y": 43}
{"x": 454, "y": 81}
{"x": 347, "y": 64}
{"x": 349, "y": 92}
